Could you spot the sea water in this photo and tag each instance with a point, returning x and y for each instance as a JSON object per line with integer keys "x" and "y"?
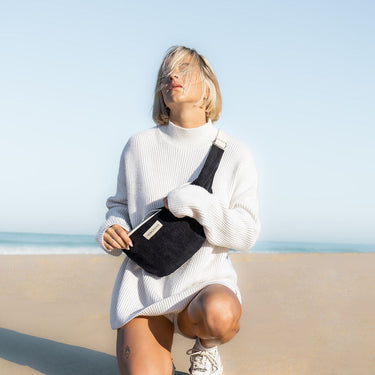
{"x": 37, "y": 243}
{"x": 41, "y": 243}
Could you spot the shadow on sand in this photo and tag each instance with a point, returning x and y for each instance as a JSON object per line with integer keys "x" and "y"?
{"x": 55, "y": 358}
{"x": 52, "y": 357}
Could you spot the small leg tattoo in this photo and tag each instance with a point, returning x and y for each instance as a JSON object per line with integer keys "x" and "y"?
{"x": 127, "y": 352}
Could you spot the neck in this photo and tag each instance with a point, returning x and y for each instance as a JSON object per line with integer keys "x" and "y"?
{"x": 188, "y": 118}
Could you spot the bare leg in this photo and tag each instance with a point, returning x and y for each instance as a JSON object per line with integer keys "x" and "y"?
{"x": 144, "y": 346}
{"x": 213, "y": 315}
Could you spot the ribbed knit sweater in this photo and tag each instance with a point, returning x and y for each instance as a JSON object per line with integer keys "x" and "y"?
{"x": 157, "y": 163}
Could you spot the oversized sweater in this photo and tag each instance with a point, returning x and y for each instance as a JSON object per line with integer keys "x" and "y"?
{"x": 157, "y": 163}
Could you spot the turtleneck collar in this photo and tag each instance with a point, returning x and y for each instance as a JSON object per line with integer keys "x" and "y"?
{"x": 180, "y": 135}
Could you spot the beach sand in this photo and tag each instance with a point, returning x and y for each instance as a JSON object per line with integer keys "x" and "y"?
{"x": 302, "y": 314}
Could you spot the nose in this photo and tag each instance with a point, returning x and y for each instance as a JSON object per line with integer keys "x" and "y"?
{"x": 173, "y": 75}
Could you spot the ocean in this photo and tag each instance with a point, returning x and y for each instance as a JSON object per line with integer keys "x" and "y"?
{"x": 37, "y": 243}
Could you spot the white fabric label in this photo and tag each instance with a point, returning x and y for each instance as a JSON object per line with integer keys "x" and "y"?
{"x": 153, "y": 230}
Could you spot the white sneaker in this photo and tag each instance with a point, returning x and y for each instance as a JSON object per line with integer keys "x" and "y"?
{"x": 204, "y": 361}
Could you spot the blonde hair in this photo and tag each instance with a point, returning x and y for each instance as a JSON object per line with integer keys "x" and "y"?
{"x": 211, "y": 96}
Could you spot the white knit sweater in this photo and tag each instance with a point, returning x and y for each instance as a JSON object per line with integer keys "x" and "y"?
{"x": 156, "y": 163}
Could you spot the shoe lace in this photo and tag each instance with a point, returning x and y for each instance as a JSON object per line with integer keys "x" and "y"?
{"x": 199, "y": 358}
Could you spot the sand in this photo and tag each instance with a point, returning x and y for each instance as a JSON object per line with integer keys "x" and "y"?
{"x": 302, "y": 314}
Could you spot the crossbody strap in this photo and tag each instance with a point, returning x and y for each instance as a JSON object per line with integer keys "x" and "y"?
{"x": 207, "y": 174}
{"x": 220, "y": 140}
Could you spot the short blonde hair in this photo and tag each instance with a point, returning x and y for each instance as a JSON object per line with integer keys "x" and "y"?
{"x": 174, "y": 56}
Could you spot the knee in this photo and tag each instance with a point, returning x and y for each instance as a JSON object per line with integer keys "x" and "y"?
{"x": 220, "y": 319}
{"x": 221, "y": 315}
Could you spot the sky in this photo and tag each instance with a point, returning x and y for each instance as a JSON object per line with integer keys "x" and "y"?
{"x": 297, "y": 80}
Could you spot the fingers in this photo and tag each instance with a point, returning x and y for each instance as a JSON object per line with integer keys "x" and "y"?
{"x": 122, "y": 234}
{"x": 165, "y": 201}
{"x": 116, "y": 237}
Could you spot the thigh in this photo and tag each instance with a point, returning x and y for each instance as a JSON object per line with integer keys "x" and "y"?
{"x": 144, "y": 346}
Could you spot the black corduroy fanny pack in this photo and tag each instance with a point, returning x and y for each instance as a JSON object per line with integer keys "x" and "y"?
{"x": 162, "y": 243}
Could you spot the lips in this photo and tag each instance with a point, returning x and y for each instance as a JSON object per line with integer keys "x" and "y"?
{"x": 174, "y": 86}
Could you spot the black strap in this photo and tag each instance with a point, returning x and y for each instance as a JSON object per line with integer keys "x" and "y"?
{"x": 207, "y": 174}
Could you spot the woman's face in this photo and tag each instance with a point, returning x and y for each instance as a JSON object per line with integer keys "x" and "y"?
{"x": 182, "y": 88}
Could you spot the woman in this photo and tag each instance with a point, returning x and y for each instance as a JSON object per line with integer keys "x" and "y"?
{"x": 201, "y": 299}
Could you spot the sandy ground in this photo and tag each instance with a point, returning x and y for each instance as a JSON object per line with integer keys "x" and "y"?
{"x": 302, "y": 314}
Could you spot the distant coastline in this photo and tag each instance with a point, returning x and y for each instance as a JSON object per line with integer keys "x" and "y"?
{"x": 14, "y": 243}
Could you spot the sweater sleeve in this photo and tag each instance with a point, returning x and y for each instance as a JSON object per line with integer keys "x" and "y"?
{"x": 117, "y": 209}
{"x": 236, "y": 226}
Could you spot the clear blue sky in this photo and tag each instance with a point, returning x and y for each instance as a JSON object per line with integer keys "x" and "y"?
{"x": 297, "y": 80}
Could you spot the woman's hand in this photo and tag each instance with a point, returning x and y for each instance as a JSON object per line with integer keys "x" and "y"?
{"x": 116, "y": 237}
{"x": 165, "y": 201}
